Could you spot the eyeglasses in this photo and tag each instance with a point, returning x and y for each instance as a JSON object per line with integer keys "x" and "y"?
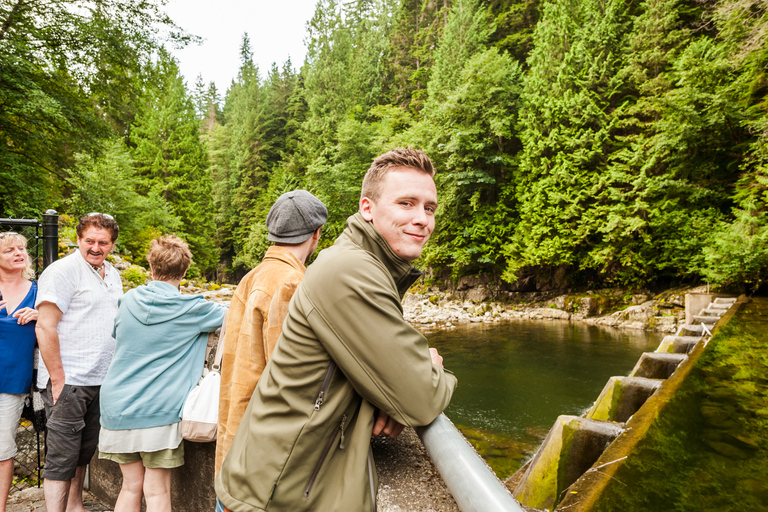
{"x": 8, "y": 233}
{"x": 108, "y": 216}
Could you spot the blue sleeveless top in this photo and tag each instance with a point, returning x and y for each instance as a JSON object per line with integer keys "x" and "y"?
{"x": 17, "y": 345}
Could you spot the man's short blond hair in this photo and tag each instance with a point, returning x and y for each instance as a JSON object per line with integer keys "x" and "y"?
{"x": 169, "y": 257}
{"x": 397, "y": 158}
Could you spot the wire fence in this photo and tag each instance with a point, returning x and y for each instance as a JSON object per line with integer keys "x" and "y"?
{"x": 28, "y": 461}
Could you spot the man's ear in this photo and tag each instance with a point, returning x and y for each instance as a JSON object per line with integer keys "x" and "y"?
{"x": 316, "y": 234}
{"x": 366, "y": 208}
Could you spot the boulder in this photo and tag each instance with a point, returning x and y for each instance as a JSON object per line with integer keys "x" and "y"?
{"x": 549, "y": 313}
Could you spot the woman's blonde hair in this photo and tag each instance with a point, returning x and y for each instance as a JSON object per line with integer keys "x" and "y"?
{"x": 169, "y": 257}
{"x": 10, "y": 238}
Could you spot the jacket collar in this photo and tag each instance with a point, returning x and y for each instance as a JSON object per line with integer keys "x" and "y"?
{"x": 284, "y": 255}
{"x": 362, "y": 233}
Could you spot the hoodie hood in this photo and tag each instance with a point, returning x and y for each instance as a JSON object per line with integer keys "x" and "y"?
{"x": 158, "y": 302}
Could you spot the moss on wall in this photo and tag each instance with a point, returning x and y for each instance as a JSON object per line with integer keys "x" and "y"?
{"x": 708, "y": 450}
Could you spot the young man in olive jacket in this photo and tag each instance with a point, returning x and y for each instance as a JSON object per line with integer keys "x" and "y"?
{"x": 347, "y": 366}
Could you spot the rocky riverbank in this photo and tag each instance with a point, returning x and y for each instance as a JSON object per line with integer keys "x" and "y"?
{"x": 432, "y": 308}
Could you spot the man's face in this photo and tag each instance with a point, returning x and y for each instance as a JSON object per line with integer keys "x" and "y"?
{"x": 95, "y": 245}
{"x": 404, "y": 213}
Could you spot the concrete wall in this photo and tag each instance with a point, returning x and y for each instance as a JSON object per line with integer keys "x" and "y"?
{"x": 191, "y": 484}
{"x": 695, "y": 302}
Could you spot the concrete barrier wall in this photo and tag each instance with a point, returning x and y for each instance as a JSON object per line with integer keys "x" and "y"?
{"x": 695, "y": 302}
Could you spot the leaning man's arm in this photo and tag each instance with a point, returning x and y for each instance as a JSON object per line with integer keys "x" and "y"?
{"x": 388, "y": 362}
{"x": 49, "y": 316}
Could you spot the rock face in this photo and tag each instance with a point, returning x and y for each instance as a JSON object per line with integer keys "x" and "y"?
{"x": 434, "y": 308}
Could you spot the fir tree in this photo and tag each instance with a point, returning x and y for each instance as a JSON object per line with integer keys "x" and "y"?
{"x": 171, "y": 160}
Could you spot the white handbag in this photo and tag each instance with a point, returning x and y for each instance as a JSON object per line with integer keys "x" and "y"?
{"x": 200, "y": 415}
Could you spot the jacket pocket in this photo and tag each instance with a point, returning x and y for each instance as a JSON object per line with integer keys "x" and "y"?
{"x": 324, "y": 454}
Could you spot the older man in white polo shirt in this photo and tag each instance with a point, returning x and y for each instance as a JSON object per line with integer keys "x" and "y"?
{"x": 77, "y": 303}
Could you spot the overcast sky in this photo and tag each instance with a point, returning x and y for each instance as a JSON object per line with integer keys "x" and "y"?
{"x": 277, "y": 29}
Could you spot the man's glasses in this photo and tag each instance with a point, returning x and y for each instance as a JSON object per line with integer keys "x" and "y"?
{"x": 8, "y": 233}
{"x": 108, "y": 216}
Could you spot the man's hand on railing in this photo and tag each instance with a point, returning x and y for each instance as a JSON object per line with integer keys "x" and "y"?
{"x": 386, "y": 426}
{"x": 436, "y": 358}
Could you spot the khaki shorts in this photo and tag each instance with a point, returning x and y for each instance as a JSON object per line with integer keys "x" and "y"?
{"x": 162, "y": 459}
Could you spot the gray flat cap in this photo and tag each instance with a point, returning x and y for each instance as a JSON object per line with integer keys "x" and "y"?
{"x": 294, "y": 217}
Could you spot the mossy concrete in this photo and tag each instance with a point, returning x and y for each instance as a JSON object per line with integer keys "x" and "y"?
{"x": 571, "y": 447}
{"x": 653, "y": 365}
{"x": 587, "y": 491}
{"x": 678, "y": 344}
{"x": 621, "y": 398}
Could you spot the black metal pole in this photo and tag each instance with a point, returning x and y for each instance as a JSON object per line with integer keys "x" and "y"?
{"x": 50, "y": 237}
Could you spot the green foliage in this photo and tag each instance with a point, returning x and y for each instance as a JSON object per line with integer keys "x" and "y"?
{"x": 475, "y": 144}
{"x": 568, "y": 99}
{"x": 619, "y": 142}
{"x": 67, "y": 75}
{"x": 170, "y": 158}
{"x": 108, "y": 184}
{"x": 135, "y": 276}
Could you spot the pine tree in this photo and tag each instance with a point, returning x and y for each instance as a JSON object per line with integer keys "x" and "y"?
{"x": 570, "y": 92}
{"x": 171, "y": 159}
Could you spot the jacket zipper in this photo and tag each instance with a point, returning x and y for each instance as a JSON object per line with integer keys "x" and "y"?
{"x": 370, "y": 480}
{"x": 324, "y": 454}
{"x": 324, "y": 386}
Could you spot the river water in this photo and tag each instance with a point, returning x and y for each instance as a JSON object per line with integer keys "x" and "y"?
{"x": 517, "y": 377}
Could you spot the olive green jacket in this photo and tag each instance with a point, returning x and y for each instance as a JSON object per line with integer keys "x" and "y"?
{"x": 345, "y": 350}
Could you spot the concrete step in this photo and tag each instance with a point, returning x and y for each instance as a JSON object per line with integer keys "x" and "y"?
{"x": 654, "y": 365}
{"x": 717, "y": 305}
{"x": 723, "y": 300}
{"x": 572, "y": 446}
{"x": 712, "y": 312}
{"x": 708, "y": 320}
{"x": 621, "y": 398}
{"x": 690, "y": 330}
{"x": 678, "y": 344}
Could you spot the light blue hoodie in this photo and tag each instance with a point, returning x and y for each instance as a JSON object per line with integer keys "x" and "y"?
{"x": 161, "y": 337}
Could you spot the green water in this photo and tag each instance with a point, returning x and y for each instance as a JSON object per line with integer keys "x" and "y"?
{"x": 516, "y": 378}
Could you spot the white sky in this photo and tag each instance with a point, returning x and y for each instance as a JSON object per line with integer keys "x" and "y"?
{"x": 277, "y": 29}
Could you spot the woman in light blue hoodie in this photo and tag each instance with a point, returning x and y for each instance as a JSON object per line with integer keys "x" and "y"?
{"x": 161, "y": 338}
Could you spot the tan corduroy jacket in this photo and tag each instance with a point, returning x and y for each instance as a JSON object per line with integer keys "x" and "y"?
{"x": 254, "y": 323}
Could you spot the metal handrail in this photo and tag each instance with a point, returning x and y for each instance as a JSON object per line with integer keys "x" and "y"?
{"x": 469, "y": 479}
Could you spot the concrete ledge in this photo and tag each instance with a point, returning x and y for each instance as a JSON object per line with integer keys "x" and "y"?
{"x": 621, "y": 398}
{"x": 571, "y": 447}
{"x": 584, "y": 493}
{"x": 655, "y": 365}
{"x": 678, "y": 344}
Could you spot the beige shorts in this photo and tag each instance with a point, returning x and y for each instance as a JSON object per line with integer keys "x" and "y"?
{"x": 162, "y": 459}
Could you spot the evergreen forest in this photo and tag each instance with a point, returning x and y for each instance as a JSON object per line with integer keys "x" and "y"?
{"x": 613, "y": 142}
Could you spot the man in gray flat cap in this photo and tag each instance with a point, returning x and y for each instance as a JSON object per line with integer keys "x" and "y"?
{"x": 260, "y": 305}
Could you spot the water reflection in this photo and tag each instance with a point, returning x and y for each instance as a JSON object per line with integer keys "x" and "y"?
{"x": 515, "y": 378}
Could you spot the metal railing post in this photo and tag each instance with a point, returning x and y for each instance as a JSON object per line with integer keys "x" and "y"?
{"x": 469, "y": 479}
{"x": 50, "y": 237}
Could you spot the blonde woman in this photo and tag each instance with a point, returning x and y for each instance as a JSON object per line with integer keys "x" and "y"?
{"x": 17, "y": 343}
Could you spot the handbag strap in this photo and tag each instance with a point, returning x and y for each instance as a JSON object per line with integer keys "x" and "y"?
{"x": 220, "y": 345}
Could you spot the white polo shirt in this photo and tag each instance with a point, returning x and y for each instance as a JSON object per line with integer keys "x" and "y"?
{"x": 89, "y": 307}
